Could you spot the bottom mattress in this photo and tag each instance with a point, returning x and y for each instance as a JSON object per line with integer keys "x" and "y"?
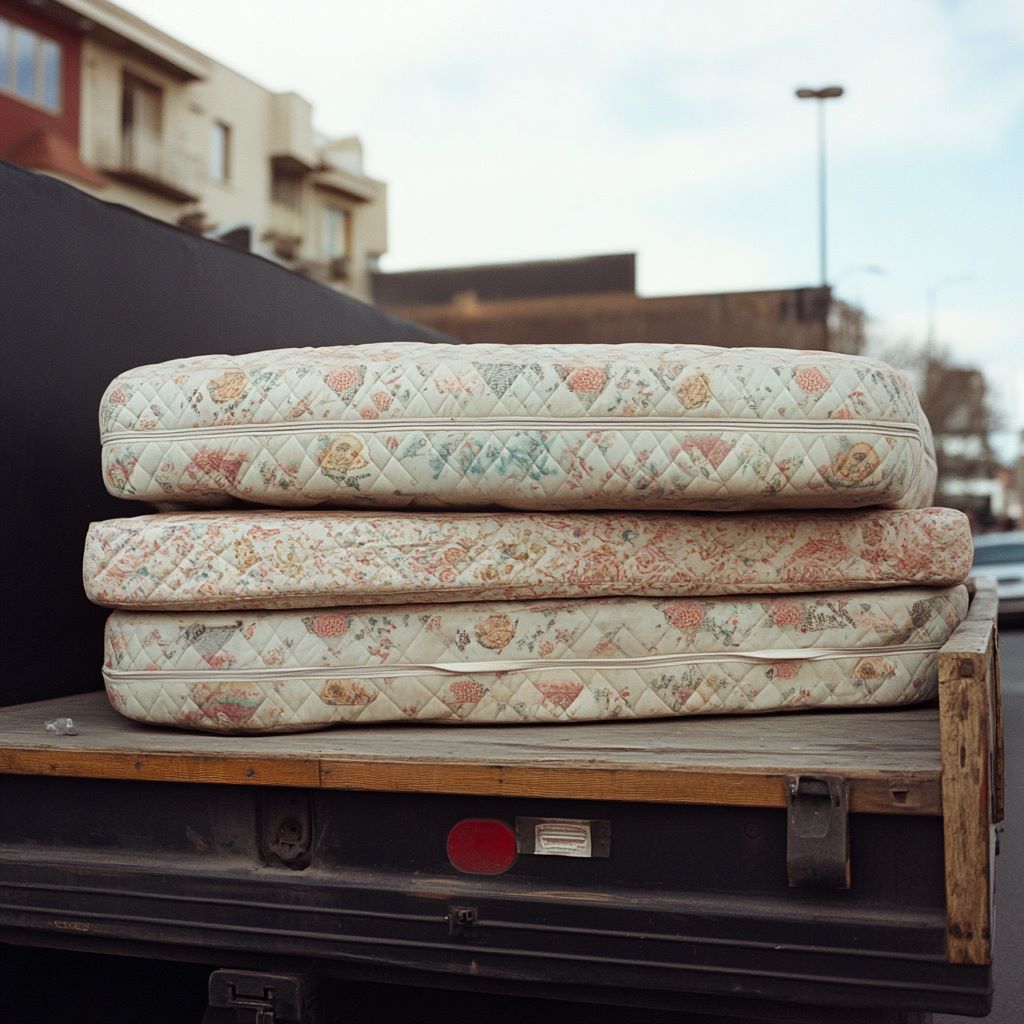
{"x": 528, "y": 662}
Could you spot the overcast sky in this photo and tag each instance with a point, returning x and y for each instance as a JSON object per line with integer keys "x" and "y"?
{"x": 514, "y": 130}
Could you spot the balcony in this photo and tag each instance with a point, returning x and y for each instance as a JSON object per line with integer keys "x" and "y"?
{"x": 285, "y": 221}
{"x": 145, "y": 161}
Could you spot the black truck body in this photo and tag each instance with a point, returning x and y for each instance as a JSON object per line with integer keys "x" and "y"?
{"x": 327, "y": 855}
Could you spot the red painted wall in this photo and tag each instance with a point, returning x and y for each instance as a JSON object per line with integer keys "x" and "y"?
{"x": 20, "y": 120}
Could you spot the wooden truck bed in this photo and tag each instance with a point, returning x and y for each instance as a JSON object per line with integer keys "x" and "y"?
{"x": 892, "y": 758}
{"x": 941, "y": 760}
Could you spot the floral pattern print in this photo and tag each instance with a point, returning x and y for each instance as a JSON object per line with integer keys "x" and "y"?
{"x": 855, "y": 464}
{"x": 341, "y": 454}
{"x": 345, "y": 380}
{"x": 811, "y": 380}
{"x": 694, "y": 391}
{"x": 273, "y": 671}
{"x": 230, "y": 386}
{"x": 346, "y": 692}
{"x": 495, "y": 632}
{"x": 227, "y": 706}
{"x": 533, "y": 427}
{"x": 331, "y": 624}
{"x": 317, "y": 559}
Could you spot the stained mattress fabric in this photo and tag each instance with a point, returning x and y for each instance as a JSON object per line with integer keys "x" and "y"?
{"x": 521, "y": 662}
{"x": 211, "y": 560}
{"x": 536, "y": 427}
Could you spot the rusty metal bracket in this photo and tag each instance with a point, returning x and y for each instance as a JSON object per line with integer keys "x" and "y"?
{"x": 818, "y": 834}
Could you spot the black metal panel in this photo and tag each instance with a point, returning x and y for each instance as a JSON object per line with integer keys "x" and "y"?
{"x": 87, "y": 290}
{"x": 122, "y": 989}
{"x": 690, "y": 900}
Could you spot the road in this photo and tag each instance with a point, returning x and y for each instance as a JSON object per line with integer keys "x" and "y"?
{"x": 1009, "y": 940}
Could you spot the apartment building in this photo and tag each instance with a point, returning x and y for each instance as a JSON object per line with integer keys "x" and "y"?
{"x": 96, "y": 96}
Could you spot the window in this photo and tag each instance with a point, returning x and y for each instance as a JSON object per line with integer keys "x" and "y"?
{"x": 29, "y": 66}
{"x": 140, "y": 125}
{"x": 49, "y": 56}
{"x": 25, "y": 47}
{"x": 286, "y": 188}
{"x": 220, "y": 151}
{"x": 140, "y": 109}
{"x": 335, "y": 228}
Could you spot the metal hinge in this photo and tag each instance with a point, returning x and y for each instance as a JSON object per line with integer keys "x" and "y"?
{"x": 252, "y": 997}
{"x": 818, "y": 835}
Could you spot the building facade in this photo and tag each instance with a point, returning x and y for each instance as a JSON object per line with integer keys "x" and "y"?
{"x": 96, "y": 96}
{"x": 593, "y": 299}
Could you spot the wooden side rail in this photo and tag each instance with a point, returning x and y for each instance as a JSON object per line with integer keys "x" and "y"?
{"x": 970, "y": 728}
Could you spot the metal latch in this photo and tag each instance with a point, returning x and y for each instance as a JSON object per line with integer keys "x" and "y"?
{"x": 258, "y": 998}
{"x": 818, "y": 835}
{"x": 461, "y": 921}
{"x": 286, "y": 828}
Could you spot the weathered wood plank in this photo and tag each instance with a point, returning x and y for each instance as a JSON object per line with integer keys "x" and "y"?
{"x": 973, "y": 635}
{"x": 160, "y": 767}
{"x": 871, "y": 744}
{"x": 891, "y": 758}
{"x": 984, "y": 614}
{"x": 919, "y": 794}
{"x": 966, "y": 679}
{"x": 998, "y": 757}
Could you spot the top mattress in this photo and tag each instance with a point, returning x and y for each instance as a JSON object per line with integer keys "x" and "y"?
{"x": 524, "y": 427}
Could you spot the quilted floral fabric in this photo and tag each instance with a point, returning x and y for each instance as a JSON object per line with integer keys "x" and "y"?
{"x": 531, "y": 427}
{"x": 214, "y": 560}
{"x": 521, "y": 662}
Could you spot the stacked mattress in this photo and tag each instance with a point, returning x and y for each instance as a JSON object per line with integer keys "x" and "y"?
{"x": 622, "y": 531}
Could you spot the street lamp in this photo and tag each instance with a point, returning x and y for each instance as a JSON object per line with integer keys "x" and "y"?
{"x": 867, "y": 268}
{"x": 830, "y": 92}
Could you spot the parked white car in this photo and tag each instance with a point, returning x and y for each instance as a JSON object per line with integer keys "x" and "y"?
{"x": 1002, "y": 555}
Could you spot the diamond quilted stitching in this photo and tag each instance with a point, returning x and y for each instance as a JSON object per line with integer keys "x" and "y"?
{"x": 564, "y": 469}
{"x": 383, "y": 382}
{"x": 609, "y": 629}
{"x": 267, "y": 559}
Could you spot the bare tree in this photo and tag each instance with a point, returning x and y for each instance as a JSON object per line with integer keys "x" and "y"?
{"x": 963, "y": 415}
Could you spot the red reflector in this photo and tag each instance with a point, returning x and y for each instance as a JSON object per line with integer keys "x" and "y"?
{"x": 479, "y": 846}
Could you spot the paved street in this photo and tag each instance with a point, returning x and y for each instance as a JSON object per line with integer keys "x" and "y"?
{"x": 1009, "y": 947}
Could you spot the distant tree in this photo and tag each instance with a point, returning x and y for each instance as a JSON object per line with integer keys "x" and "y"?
{"x": 846, "y": 327}
{"x": 958, "y": 404}
{"x": 963, "y": 415}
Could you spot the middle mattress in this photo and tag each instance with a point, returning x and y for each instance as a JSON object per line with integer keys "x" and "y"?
{"x": 188, "y": 561}
{"x": 517, "y": 662}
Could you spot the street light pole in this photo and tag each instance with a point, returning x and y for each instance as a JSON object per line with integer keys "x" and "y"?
{"x": 822, "y": 199}
{"x": 830, "y": 92}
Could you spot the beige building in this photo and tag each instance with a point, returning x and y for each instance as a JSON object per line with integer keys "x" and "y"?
{"x": 95, "y": 95}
